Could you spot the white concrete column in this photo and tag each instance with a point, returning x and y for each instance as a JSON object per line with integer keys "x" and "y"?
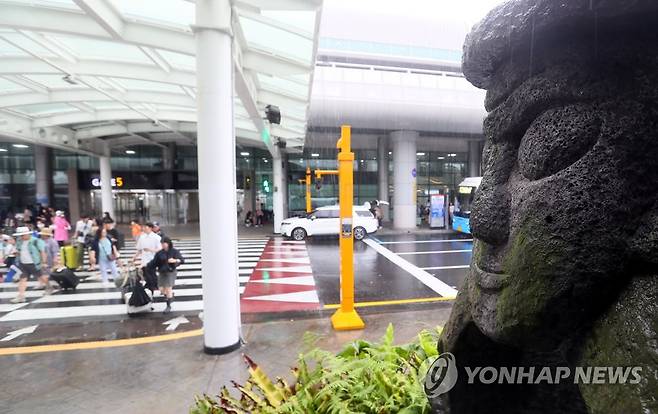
{"x": 474, "y": 158}
{"x": 277, "y": 195}
{"x": 404, "y": 179}
{"x": 382, "y": 174}
{"x": 107, "y": 203}
{"x": 169, "y": 156}
{"x": 216, "y": 158}
{"x": 73, "y": 193}
{"x": 43, "y": 171}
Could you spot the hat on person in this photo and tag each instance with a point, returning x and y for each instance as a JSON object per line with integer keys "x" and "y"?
{"x": 22, "y": 231}
{"x": 46, "y": 232}
{"x": 59, "y": 213}
{"x": 156, "y": 224}
{"x": 6, "y": 237}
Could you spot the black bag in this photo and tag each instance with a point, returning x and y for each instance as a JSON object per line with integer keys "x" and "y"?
{"x": 151, "y": 278}
{"x": 139, "y": 296}
{"x": 65, "y": 278}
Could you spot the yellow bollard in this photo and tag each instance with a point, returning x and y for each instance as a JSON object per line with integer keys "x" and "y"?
{"x": 308, "y": 190}
{"x": 346, "y": 317}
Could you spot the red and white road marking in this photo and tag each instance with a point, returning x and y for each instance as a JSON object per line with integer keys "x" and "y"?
{"x": 281, "y": 281}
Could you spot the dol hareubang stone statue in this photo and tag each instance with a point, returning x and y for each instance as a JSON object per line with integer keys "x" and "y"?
{"x": 565, "y": 259}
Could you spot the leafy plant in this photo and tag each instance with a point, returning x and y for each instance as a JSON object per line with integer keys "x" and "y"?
{"x": 364, "y": 377}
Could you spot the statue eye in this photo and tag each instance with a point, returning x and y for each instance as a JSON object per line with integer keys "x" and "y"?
{"x": 556, "y": 139}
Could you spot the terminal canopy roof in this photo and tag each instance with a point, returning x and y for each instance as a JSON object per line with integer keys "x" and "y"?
{"x": 93, "y": 75}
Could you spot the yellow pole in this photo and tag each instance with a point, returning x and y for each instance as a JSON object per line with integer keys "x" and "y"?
{"x": 308, "y": 190}
{"x": 346, "y": 317}
{"x": 320, "y": 173}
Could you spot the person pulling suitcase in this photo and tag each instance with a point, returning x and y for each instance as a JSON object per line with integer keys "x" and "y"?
{"x": 147, "y": 246}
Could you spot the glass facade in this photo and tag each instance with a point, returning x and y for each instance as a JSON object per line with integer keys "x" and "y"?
{"x": 436, "y": 172}
{"x": 147, "y": 186}
{"x": 17, "y": 178}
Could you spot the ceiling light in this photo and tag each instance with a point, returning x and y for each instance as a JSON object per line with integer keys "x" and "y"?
{"x": 440, "y": 158}
{"x": 390, "y": 153}
{"x": 420, "y": 154}
{"x": 20, "y": 146}
{"x": 452, "y": 155}
{"x": 130, "y": 152}
{"x": 3, "y": 150}
{"x": 244, "y": 154}
{"x": 264, "y": 160}
{"x": 315, "y": 155}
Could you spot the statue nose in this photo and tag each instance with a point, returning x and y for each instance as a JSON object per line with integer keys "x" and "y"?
{"x": 489, "y": 219}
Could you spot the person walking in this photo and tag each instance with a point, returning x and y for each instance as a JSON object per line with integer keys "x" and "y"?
{"x": 147, "y": 246}
{"x": 8, "y": 255}
{"x": 82, "y": 230}
{"x": 135, "y": 229}
{"x": 158, "y": 230}
{"x": 27, "y": 215}
{"x": 91, "y": 244}
{"x": 51, "y": 247}
{"x": 107, "y": 259}
{"x": 31, "y": 255}
{"x": 379, "y": 215}
{"x": 259, "y": 215}
{"x": 165, "y": 262}
{"x": 62, "y": 227}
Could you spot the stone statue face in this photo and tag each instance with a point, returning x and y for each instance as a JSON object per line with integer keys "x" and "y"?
{"x": 567, "y": 182}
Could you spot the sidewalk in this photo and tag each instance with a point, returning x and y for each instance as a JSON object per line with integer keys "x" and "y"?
{"x": 164, "y": 377}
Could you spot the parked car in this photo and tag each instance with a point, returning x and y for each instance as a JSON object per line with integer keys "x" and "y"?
{"x": 326, "y": 221}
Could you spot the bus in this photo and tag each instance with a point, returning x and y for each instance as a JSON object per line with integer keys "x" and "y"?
{"x": 463, "y": 203}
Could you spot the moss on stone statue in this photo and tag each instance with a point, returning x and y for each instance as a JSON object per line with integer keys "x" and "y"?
{"x": 519, "y": 305}
{"x": 626, "y": 336}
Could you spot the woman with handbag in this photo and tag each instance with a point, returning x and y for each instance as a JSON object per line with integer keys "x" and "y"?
{"x": 166, "y": 261}
{"x": 107, "y": 259}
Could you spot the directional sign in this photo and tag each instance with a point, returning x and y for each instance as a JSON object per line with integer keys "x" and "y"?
{"x": 173, "y": 323}
{"x": 23, "y": 331}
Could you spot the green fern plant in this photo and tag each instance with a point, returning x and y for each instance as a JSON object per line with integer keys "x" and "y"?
{"x": 364, "y": 377}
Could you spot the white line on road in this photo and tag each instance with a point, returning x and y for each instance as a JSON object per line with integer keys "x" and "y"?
{"x": 446, "y": 267}
{"x": 427, "y": 241}
{"x": 436, "y": 252}
{"x": 424, "y": 277}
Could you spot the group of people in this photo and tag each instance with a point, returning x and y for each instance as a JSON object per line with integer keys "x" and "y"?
{"x": 257, "y": 219}
{"x": 35, "y": 251}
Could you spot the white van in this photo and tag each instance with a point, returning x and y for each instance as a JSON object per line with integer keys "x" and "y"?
{"x": 326, "y": 221}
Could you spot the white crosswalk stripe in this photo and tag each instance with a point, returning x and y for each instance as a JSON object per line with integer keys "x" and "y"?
{"x": 95, "y": 298}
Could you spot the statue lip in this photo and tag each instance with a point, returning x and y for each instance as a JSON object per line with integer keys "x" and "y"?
{"x": 489, "y": 280}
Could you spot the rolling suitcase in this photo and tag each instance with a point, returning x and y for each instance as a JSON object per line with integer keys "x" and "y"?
{"x": 69, "y": 255}
{"x": 65, "y": 278}
{"x": 138, "y": 300}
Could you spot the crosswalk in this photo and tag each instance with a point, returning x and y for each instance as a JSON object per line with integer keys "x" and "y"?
{"x": 96, "y": 298}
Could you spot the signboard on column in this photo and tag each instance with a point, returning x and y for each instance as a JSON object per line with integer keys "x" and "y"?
{"x": 413, "y": 187}
{"x": 437, "y": 211}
